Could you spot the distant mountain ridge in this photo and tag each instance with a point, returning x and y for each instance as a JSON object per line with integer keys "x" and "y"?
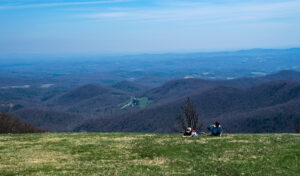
{"x": 181, "y": 87}
{"x": 129, "y": 86}
{"x": 94, "y": 107}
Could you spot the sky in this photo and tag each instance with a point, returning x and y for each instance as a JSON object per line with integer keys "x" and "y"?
{"x": 146, "y": 26}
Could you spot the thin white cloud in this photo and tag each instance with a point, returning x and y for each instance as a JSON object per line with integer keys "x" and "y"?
{"x": 206, "y": 13}
{"x": 24, "y": 6}
{"x": 108, "y": 15}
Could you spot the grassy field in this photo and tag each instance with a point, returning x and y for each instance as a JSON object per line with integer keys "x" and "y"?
{"x": 149, "y": 154}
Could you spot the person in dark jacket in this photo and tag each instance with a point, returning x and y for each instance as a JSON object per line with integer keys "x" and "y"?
{"x": 216, "y": 129}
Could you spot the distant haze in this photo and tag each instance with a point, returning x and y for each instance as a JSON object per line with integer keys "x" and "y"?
{"x": 136, "y": 26}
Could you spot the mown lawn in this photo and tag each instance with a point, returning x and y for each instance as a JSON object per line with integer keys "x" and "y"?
{"x": 149, "y": 154}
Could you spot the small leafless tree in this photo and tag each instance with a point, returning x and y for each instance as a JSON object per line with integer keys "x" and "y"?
{"x": 188, "y": 116}
{"x": 297, "y": 127}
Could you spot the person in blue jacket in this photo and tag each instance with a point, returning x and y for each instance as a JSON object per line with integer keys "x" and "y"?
{"x": 216, "y": 129}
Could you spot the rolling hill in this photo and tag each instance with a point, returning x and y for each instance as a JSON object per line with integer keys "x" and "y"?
{"x": 181, "y": 87}
{"x": 85, "y": 92}
{"x": 128, "y": 106}
{"x": 235, "y": 108}
{"x": 90, "y": 100}
{"x": 50, "y": 120}
{"x": 130, "y": 86}
{"x": 10, "y": 124}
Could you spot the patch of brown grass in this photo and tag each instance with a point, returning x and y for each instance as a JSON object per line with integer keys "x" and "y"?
{"x": 157, "y": 161}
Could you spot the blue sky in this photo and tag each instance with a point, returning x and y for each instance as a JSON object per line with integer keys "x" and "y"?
{"x": 149, "y": 26}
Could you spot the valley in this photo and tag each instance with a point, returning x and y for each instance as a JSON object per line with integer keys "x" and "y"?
{"x": 143, "y": 93}
{"x": 271, "y": 99}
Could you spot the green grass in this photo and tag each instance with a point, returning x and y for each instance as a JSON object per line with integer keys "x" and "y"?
{"x": 143, "y": 102}
{"x": 149, "y": 154}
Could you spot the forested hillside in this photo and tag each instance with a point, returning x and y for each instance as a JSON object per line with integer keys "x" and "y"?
{"x": 9, "y": 124}
{"x": 270, "y": 107}
{"x": 254, "y": 104}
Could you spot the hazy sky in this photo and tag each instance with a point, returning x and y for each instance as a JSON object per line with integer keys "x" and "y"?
{"x": 136, "y": 26}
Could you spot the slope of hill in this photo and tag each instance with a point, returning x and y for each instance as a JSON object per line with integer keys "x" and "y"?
{"x": 280, "y": 118}
{"x": 178, "y": 88}
{"x": 54, "y": 108}
{"x": 230, "y": 105}
{"x": 54, "y": 121}
{"x": 85, "y": 92}
{"x": 99, "y": 106}
{"x": 149, "y": 154}
{"x": 182, "y": 87}
{"x": 90, "y": 100}
{"x": 13, "y": 94}
{"x": 9, "y": 124}
{"x": 129, "y": 86}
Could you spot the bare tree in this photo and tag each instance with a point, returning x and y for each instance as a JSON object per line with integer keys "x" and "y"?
{"x": 297, "y": 127}
{"x": 188, "y": 116}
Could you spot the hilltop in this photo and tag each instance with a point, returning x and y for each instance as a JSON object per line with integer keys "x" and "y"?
{"x": 149, "y": 154}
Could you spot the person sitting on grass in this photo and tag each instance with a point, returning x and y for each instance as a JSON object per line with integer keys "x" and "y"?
{"x": 216, "y": 129}
{"x": 194, "y": 133}
{"x": 187, "y": 132}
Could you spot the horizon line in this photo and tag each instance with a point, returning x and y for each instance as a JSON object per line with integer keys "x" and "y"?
{"x": 150, "y": 53}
